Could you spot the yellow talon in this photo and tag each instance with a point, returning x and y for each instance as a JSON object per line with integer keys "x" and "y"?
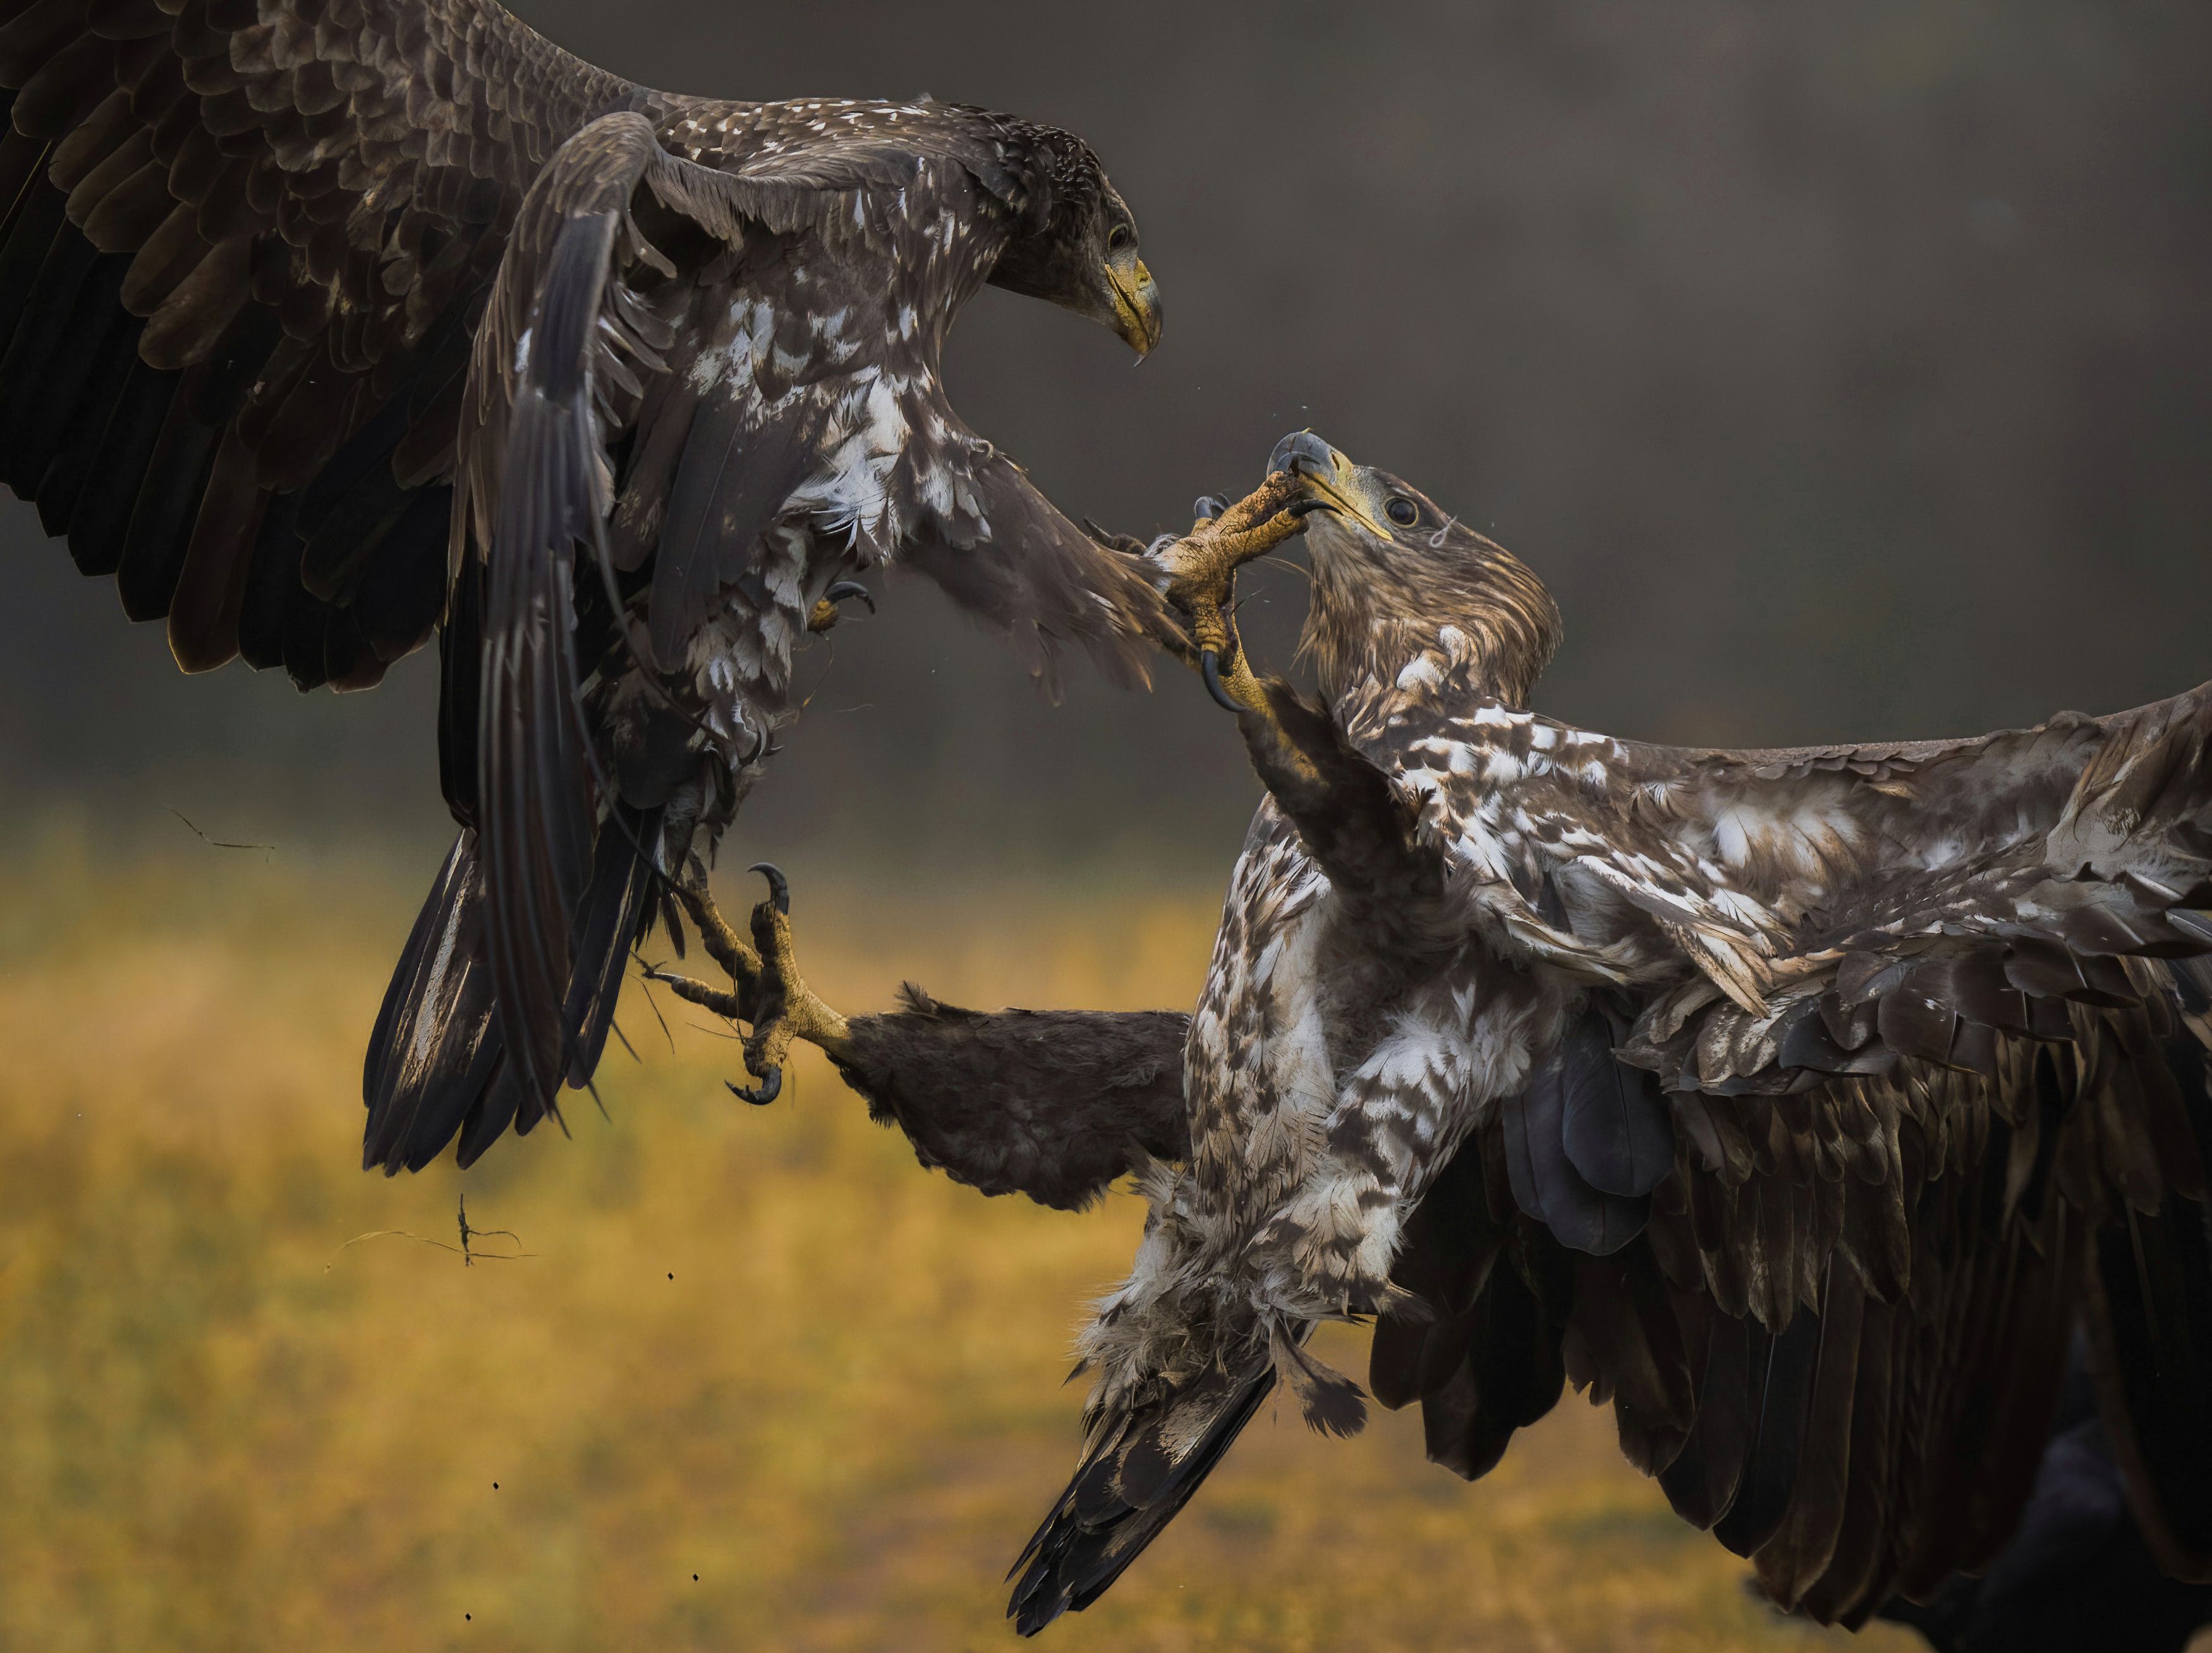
{"x": 1202, "y": 577}
{"x": 784, "y": 1007}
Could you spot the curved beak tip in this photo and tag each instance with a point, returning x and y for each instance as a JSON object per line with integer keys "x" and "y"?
{"x": 1302, "y": 453}
{"x": 1136, "y": 313}
{"x": 1146, "y": 333}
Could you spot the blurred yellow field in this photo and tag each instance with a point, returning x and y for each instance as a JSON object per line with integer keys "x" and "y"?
{"x": 756, "y": 1382}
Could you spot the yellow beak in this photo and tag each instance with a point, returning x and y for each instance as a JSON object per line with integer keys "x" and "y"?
{"x": 1136, "y": 308}
{"x": 1329, "y": 475}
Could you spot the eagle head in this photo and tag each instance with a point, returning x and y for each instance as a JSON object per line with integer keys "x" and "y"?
{"x": 1392, "y": 569}
{"x": 1077, "y": 246}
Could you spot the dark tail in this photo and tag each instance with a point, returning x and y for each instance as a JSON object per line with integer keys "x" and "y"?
{"x": 436, "y": 1061}
{"x": 1127, "y": 1489}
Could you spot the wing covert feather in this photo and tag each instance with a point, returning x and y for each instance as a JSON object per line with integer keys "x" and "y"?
{"x": 228, "y": 177}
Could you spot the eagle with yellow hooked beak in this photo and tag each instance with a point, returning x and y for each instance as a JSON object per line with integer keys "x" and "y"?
{"x": 1800, "y": 1103}
{"x": 323, "y": 329}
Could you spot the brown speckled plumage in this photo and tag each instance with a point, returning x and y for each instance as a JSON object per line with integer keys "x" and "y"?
{"x": 282, "y": 281}
{"x": 1798, "y": 1102}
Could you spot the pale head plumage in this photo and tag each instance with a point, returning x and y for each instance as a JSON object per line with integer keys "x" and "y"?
{"x": 1392, "y": 569}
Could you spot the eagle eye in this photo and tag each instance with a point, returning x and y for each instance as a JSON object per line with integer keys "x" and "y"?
{"x": 1402, "y": 511}
{"x": 1118, "y": 238}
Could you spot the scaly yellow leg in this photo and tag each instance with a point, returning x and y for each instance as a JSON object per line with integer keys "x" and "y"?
{"x": 1202, "y": 577}
{"x": 784, "y": 1007}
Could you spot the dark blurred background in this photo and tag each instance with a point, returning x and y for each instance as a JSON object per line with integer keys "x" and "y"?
{"x": 1846, "y": 371}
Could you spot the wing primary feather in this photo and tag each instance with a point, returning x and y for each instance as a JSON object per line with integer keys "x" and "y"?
{"x": 102, "y": 519}
{"x": 49, "y": 326}
{"x": 76, "y": 450}
{"x": 403, "y": 588}
{"x": 1849, "y": 1579}
{"x": 1770, "y": 1470}
{"x": 535, "y": 783}
{"x": 38, "y": 412}
{"x": 2150, "y": 1321}
{"x": 38, "y": 224}
{"x": 160, "y": 528}
{"x": 1701, "y": 1483}
{"x": 1805, "y": 1542}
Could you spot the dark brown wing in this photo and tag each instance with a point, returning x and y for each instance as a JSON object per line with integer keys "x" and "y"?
{"x": 2018, "y": 1042}
{"x": 1957, "y": 1102}
{"x": 1620, "y": 863}
{"x": 244, "y": 251}
{"x": 1838, "y": 1331}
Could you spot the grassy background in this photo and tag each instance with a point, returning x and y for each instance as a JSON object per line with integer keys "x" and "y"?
{"x": 759, "y": 1382}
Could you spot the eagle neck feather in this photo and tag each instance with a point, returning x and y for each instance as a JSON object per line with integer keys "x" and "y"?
{"x": 1376, "y": 611}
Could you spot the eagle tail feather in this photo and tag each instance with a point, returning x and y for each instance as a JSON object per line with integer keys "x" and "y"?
{"x": 436, "y": 1051}
{"x": 615, "y": 911}
{"x": 437, "y": 1061}
{"x": 1135, "y": 1474}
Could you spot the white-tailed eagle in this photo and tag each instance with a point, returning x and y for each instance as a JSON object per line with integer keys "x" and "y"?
{"x": 328, "y": 324}
{"x": 1801, "y": 1102}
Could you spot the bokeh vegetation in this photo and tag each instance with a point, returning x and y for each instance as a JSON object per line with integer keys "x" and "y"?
{"x": 758, "y": 1382}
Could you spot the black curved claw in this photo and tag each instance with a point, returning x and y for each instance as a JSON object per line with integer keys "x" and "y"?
{"x": 1113, "y": 541}
{"x": 1207, "y": 506}
{"x": 1308, "y": 506}
{"x": 771, "y": 1087}
{"x": 1209, "y": 667}
{"x": 779, "y": 887}
{"x": 850, "y": 590}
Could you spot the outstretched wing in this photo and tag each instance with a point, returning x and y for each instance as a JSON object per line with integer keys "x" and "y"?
{"x": 1983, "y": 881}
{"x": 1927, "y": 1030}
{"x": 244, "y": 248}
{"x": 1625, "y": 863}
{"x": 1978, "y": 1091}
